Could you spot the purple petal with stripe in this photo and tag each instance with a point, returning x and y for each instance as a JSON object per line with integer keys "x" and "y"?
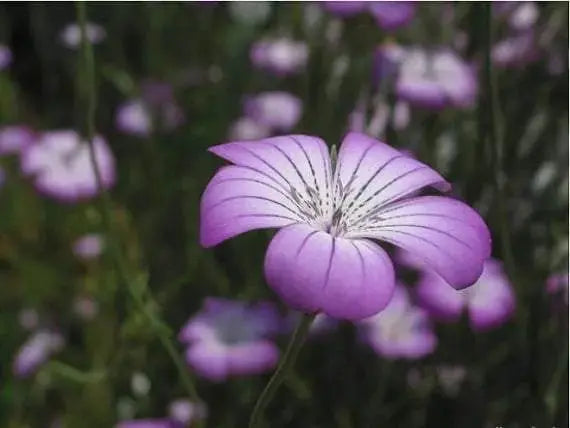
{"x": 264, "y": 186}
{"x": 379, "y": 174}
{"x": 447, "y": 234}
{"x": 313, "y": 271}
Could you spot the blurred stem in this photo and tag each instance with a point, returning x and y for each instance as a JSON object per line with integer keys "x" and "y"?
{"x": 495, "y": 137}
{"x": 285, "y": 365}
{"x": 162, "y": 331}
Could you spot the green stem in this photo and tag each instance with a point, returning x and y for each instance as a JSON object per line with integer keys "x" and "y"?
{"x": 161, "y": 330}
{"x": 283, "y": 368}
{"x": 495, "y": 138}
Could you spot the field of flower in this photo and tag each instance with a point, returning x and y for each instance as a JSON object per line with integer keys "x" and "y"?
{"x": 279, "y": 214}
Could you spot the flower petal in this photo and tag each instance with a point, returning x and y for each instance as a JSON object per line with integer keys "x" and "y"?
{"x": 274, "y": 182}
{"x": 443, "y": 302}
{"x": 252, "y": 358}
{"x": 208, "y": 359}
{"x": 491, "y": 301}
{"x": 313, "y": 271}
{"x": 374, "y": 174}
{"x": 447, "y": 234}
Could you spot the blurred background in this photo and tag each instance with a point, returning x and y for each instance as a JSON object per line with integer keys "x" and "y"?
{"x": 95, "y": 291}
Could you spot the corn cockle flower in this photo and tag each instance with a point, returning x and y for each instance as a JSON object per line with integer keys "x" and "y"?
{"x": 280, "y": 56}
{"x": 323, "y": 259}
{"x": 279, "y": 111}
{"x": 399, "y": 331}
{"x": 436, "y": 79}
{"x": 5, "y": 57}
{"x": 61, "y": 165}
{"x": 229, "y": 338}
{"x": 490, "y": 301}
{"x": 71, "y": 34}
{"x": 15, "y": 138}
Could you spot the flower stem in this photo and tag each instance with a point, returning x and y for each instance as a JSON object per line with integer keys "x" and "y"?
{"x": 161, "y": 330}
{"x": 495, "y": 138}
{"x": 283, "y": 368}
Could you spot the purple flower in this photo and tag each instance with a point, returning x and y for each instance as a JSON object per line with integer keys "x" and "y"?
{"x": 280, "y": 56}
{"x": 246, "y": 128}
{"x": 71, "y": 35}
{"x": 62, "y": 169}
{"x": 490, "y": 301}
{"x": 279, "y": 111}
{"x": 185, "y": 412}
{"x": 436, "y": 80}
{"x": 557, "y": 284}
{"x": 229, "y": 338}
{"x": 88, "y": 246}
{"x": 345, "y": 8}
{"x": 391, "y": 15}
{"x": 134, "y": 118}
{"x": 521, "y": 15}
{"x": 399, "y": 331}
{"x": 516, "y": 51}
{"x": 5, "y": 57}
{"x": 323, "y": 259}
{"x": 35, "y": 352}
{"x": 14, "y": 139}
{"x": 156, "y": 107}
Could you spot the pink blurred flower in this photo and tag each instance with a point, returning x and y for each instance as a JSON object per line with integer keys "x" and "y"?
{"x": 399, "y": 331}
{"x": 35, "y": 352}
{"x": 436, "y": 80}
{"x": 279, "y": 111}
{"x": 229, "y": 338}
{"x": 88, "y": 246}
{"x": 280, "y": 56}
{"x": 71, "y": 34}
{"x": 245, "y": 128}
{"x": 61, "y": 166}
{"x": 490, "y": 302}
{"x": 15, "y": 138}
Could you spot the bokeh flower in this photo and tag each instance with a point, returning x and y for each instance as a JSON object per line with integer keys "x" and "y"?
{"x": 245, "y": 128}
{"x": 71, "y": 34}
{"x": 402, "y": 330}
{"x": 156, "y": 108}
{"x": 35, "y": 352}
{"x": 148, "y": 423}
{"x": 436, "y": 79}
{"x": 184, "y": 412}
{"x": 61, "y": 166}
{"x": 230, "y": 338}
{"x": 520, "y": 15}
{"x": 88, "y": 246}
{"x": 516, "y": 51}
{"x": 15, "y": 138}
{"x": 490, "y": 302}
{"x": 557, "y": 285}
{"x": 279, "y": 111}
{"x": 391, "y": 15}
{"x": 323, "y": 259}
{"x": 5, "y": 57}
{"x": 280, "y": 56}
